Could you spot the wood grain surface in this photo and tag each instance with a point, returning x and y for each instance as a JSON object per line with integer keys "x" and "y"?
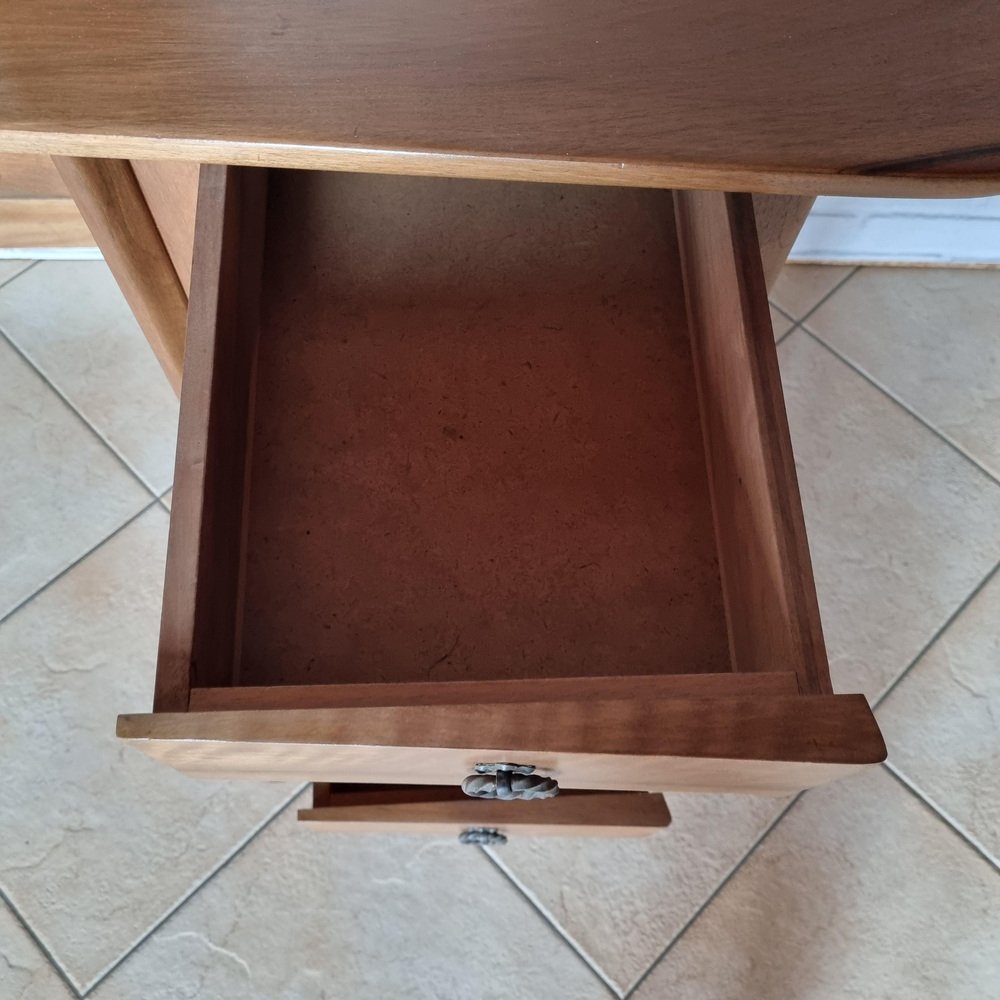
{"x": 29, "y": 223}
{"x": 792, "y": 96}
{"x": 770, "y": 596}
{"x": 30, "y": 176}
{"x": 36, "y": 210}
{"x": 769, "y": 745}
{"x": 198, "y": 630}
{"x": 492, "y": 692}
{"x": 439, "y": 810}
{"x": 171, "y": 192}
{"x": 112, "y": 204}
{"x": 779, "y": 220}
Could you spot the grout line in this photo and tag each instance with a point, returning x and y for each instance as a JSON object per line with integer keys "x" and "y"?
{"x": 194, "y": 890}
{"x": 72, "y": 408}
{"x": 787, "y": 334}
{"x": 498, "y": 864}
{"x": 778, "y": 309}
{"x": 797, "y": 323}
{"x": 40, "y": 944}
{"x": 825, "y": 298}
{"x": 938, "y": 632}
{"x": 76, "y": 562}
{"x": 711, "y": 898}
{"x": 159, "y": 499}
{"x": 554, "y": 924}
{"x": 15, "y": 276}
{"x": 943, "y": 816}
{"x": 936, "y": 810}
{"x": 793, "y": 323}
{"x": 904, "y": 406}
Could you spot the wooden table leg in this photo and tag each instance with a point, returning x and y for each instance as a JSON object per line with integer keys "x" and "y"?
{"x": 779, "y": 219}
{"x": 112, "y": 204}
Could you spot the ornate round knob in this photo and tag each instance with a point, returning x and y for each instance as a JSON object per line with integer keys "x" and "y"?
{"x": 509, "y": 782}
{"x": 485, "y": 835}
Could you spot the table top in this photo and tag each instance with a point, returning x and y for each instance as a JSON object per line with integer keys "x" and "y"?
{"x": 789, "y": 96}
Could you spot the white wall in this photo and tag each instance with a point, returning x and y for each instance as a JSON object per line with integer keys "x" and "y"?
{"x": 963, "y": 231}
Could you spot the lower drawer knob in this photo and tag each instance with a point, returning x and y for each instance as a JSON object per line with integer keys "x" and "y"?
{"x": 509, "y": 782}
{"x": 484, "y": 835}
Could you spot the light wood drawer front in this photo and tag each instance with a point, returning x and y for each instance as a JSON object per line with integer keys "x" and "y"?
{"x": 476, "y": 472}
{"x": 435, "y": 811}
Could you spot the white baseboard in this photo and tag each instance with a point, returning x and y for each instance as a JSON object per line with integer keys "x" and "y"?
{"x": 50, "y": 253}
{"x": 958, "y": 232}
{"x": 961, "y": 232}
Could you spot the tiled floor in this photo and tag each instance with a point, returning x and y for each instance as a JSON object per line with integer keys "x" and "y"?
{"x": 121, "y": 879}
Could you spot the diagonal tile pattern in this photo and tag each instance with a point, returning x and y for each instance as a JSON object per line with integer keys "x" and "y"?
{"x": 620, "y": 900}
{"x": 801, "y": 287}
{"x": 780, "y": 323}
{"x": 384, "y": 916}
{"x": 71, "y": 321}
{"x": 61, "y": 490}
{"x": 25, "y": 971}
{"x": 135, "y": 881}
{"x": 901, "y": 526}
{"x": 859, "y": 892}
{"x": 943, "y": 720}
{"x": 99, "y": 841}
{"x": 9, "y": 269}
{"x": 937, "y": 347}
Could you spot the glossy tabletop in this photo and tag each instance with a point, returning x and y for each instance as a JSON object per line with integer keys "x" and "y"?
{"x": 795, "y": 96}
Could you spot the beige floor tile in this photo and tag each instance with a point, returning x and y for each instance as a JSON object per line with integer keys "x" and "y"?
{"x": 98, "y": 841}
{"x": 932, "y": 338}
{"x": 780, "y": 323}
{"x": 61, "y": 490}
{"x": 800, "y": 286}
{"x": 623, "y": 900}
{"x": 901, "y": 527}
{"x": 859, "y": 892}
{"x": 303, "y": 915}
{"x": 25, "y": 973}
{"x": 942, "y": 723}
{"x": 70, "y": 319}
{"x": 10, "y": 268}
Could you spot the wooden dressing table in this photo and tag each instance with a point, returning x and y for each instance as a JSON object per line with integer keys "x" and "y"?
{"x": 484, "y": 486}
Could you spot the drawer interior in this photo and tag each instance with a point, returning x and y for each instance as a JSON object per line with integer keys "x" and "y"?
{"x": 446, "y": 431}
{"x": 476, "y": 449}
{"x": 478, "y": 472}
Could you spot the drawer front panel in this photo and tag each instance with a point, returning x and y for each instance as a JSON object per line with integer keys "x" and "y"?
{"x": 768, "y": 745}
{"x": 432, "y": 811}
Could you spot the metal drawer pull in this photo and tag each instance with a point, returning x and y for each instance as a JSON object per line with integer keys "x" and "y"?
{"x": 508, "y": 782}
{"x": 485, "y": 835}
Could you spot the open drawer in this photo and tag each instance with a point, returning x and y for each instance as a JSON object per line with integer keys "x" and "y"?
{"x": 475, "y": 472}
{"x": 437, "y": 810}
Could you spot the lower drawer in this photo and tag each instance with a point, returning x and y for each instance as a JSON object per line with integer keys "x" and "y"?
{"x": 476, "y": 472}
{"x": 441, "y": 811}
